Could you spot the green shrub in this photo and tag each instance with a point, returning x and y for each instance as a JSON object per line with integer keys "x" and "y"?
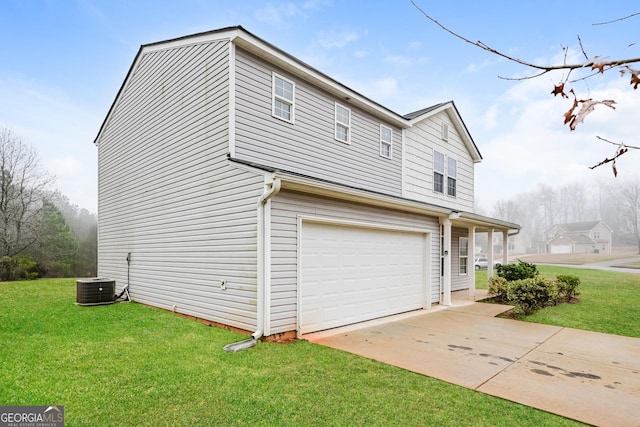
{"x": 521, "y": 270}
{"x": 529, "y": 295}
{"x": 498, "y": 288}
{"x": 568, "y": 286}
{"x": 17, "y": 267}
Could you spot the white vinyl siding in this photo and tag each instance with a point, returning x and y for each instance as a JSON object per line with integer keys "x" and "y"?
{"x": 386, "y": 141}
{"x": 168, "y": 195}
{"x": 309, "y": 147}
{"x": 283, "y": 98}
{"x": 420, "y": 142}
{"x": 286, "y": 207}
{"x": 343, "y": 124}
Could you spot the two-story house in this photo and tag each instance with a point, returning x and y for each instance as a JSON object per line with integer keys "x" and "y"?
{"x": 579, "y": 237}
{"x": 239, "y": 185}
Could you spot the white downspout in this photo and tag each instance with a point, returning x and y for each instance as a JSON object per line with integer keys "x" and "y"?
{"x": 264, "y": 262}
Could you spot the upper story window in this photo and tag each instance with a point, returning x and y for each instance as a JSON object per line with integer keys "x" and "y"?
{"x": 386, "y": 141}
{"x": 343, "y": 124}
{"x": 596, "y": 234}
{"x": 445, "y": 181}
{"x": 283, "y": 98}
{"x": 438, "y": 172}
{"x": 452, "y": 166}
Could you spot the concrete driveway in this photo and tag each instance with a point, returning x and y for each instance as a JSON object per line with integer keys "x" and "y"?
{"x": 587, "y": 376}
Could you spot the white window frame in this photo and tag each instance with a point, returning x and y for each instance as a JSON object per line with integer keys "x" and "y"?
{"x": 341, "y": 124}
{"x": 283, "y": 99}
{"x": 452, "y": 175}
{"x": 462, "y": 256}
{"x": 447, "y": 173}
{"x": 384, "y": 142}
{"x": 439, "y": 172}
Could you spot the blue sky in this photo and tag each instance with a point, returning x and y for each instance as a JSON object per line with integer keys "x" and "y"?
{"x": 63, "y": 62}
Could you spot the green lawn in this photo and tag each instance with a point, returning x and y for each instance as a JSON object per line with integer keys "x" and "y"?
{"x": 609, "y": 302}
{"x": 131, "y": 365}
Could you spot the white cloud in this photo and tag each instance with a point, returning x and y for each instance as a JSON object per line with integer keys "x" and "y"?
{"x": 334, "y": 39}
{"x": 404, "y": 61}
{"x": 41, "y": 116}
{"x": 526, "y": 143}
{"x": 385, "y": 87}
{"x": 473, "y": 68}
{"x": 277, "y": 14}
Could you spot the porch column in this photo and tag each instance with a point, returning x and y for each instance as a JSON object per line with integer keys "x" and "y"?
{"x": 490, "y": 254}
{"x": 471, "y": 256}
{"x": 505, "y": 247}
{"x": 446, "y": 251}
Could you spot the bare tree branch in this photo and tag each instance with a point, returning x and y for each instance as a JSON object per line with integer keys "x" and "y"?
{"x": 618, "y": 144}
{"x": 620, "y": 150}
{"x": 594, "y": 63}
{"x": 616, "y": 20}
{"x": 598, "y": 65}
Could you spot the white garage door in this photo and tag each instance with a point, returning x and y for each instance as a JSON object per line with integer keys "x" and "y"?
{"x": 350, "y": 274}
{"x": 560, "y": 249}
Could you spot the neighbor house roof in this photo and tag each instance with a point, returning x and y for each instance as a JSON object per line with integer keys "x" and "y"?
{"x": 579, "y": 226}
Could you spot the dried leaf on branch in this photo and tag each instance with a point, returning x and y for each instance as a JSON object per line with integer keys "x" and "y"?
{"x": 635, "y": 76}
{"x": 598, "y": 64}
{"x": 587, "y": 106}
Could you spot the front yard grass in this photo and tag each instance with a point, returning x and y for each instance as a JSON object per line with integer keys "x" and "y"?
{"x": 608, "y": 301}
{"x": 131, "y": 365}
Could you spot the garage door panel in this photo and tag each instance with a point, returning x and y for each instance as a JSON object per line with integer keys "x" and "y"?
{"x": 350, "y": 274}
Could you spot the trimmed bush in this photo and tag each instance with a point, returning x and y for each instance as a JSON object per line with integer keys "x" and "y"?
{"x": 498, "y": 288}
{"x": 568, "y": 286}
{"x": 529, "y": 295}
{"x": 521, "y": 270}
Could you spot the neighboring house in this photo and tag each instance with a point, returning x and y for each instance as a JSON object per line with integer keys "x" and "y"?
{"x": 241, "y": 186}
{"x": 579, "y": 237}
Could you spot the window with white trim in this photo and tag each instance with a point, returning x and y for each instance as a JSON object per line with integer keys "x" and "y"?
{"x": 343, "y": 124}
{"x": 283, "y": 98}
{"x": 452, "y": 173}
{"x": 386, "y": 141}
{"x": 438, "y": 172}
{"x": 463, "y": 255}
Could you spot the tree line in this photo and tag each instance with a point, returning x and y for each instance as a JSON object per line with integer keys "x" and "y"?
{"x": 41, "y": 233}
{"x": 616, "y": 204}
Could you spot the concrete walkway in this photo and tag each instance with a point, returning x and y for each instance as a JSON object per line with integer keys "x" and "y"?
{"x": 587, "y": 376}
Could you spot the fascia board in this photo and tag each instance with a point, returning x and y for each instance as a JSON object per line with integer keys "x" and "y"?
{"x": 296, "y": 67}
{"x": 452, "y": 111}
